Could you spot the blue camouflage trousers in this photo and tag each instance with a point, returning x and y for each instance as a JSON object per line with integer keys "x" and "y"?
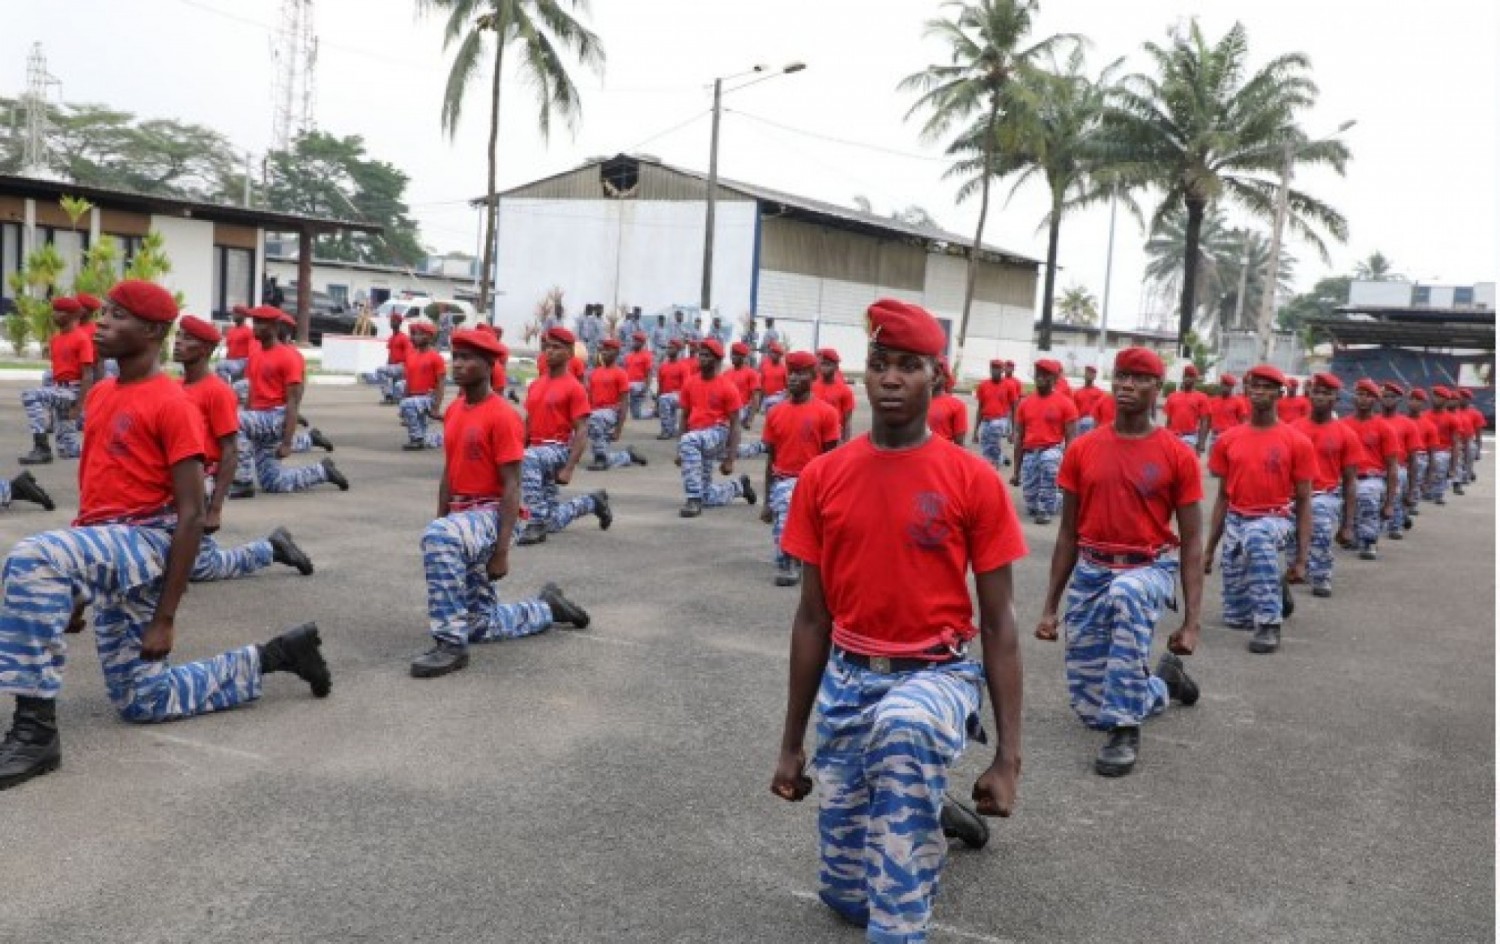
{"x": 779, "y": 500}
{"x": 462, "y": 606}
{"x": 4, "y": 493}
{"x": 666, "y": 410}
{"x": 231, "y": 369}
{"x": 1039, "y": 481}
{"x": 1327, "y": 515}
{"x": 1419, "y": 487}
{"x": 884, "y": 746}
{"x": 772, "y": 400}
{"x": 601, "y": 429}
{"x": 539, "y": 491}
{"x": 751, "y": 449}
{"x": 1109, "y": 621}
{"x": 1189, "y": 439}
{"x": 47, "y": 411}
{"x": 219, "y": 563}
{"x": 117, "y": 568}
{"x": 638, "y": 400}
{"x": 699, "y": 449}
{"x": 415, "y": 412}
{"x": 1398, "y": 507}
{"x": 260, "y": 434}
{"x": 390, "y": 379}
{"x": 1251, "y": 567}
{"x": 992, "y": 436}
{"x": 1085, "y": 423}
{"x": 1369, "y": 497}
{"x": 1437, "y": 480}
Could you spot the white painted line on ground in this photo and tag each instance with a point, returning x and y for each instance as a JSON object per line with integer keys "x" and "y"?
{"x": 215, "y": 748}
{"x": 937, "y": 926}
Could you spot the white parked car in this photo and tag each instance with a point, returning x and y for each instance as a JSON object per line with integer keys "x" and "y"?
{"x": 419, "y": 307}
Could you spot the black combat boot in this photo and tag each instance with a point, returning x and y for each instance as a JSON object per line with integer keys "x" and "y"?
{"x": 25, "y": 487}
{"x": 334, "y": 475}
{"x": 32, "y": 746}
{"x": 602, "y": 510}
{"x": 298, "y": 651}
{"x": 444, "y": 658}
{"x": 635, "y": 455}
{"x": 1267, "y": 639}
{"x": 1180, "y": 686}
{"x": 563, "y": 609}
{"x": 1117, "y": 756}
{"x": 747, "y": 490}
{"x": 961, "y": 822}
{"x": 41, "y": 451}
{"x": 285, "y": 551}
{"x": 319, "y": 440}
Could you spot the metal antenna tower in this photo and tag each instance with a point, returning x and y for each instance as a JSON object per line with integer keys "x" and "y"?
{"x": 294, "y": 57}
{"x": 38, "y": 81}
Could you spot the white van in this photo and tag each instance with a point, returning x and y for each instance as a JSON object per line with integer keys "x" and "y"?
{"x": 415, "y": 307}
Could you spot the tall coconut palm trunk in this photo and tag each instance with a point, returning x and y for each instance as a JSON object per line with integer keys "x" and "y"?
{"x": 492, "y": 202}
{"x": 1054, "y": 233}
{"x": 1195, "y": 210}
{"x": 984, "y": 212}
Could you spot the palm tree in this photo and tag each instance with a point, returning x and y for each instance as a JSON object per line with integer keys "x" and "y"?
{"x": 540, "y": 31}
{"x": 986, "y": 54}
{"x": 1199, "y": 131}
{"x": 1053, "y": 130}
{"x": 1229, "y": 261}
{"x": 1077, "y": 307}
{"x": 1376, "y": 268}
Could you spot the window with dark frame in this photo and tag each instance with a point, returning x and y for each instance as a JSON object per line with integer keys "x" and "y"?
{"x": 234, "y": 279}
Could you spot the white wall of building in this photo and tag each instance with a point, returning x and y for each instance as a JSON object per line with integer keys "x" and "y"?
{"x": 359, "y": 281}
{"x": 190, "y": 246}
{"x": 1380, "y": 293}
{"x": 619, "y": 252}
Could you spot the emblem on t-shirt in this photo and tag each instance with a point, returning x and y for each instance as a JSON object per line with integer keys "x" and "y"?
{"x": 927, "y": 528}
{"x": 474, "y": 445}
{"x": 1149, "y": 481}
{"x": 1273, "y": 460}
{"x": 119, "y": 433}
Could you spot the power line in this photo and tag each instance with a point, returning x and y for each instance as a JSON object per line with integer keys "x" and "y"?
{"x": 844, "y": 141}
{"x": 661, "y": 134}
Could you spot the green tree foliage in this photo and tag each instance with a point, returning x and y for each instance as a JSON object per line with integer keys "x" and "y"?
{"x": 325, "y": 175}
{"x": 1321, "y": 299}
{"x": 1222, "y": 260}
{"x": 1077, "y": 306}
{"x": 1377, "y": 268}
{"x": 98, "y": 146}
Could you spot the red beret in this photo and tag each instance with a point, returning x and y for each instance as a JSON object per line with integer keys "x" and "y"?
{"x": 828, "y": 354}
{"x": 1366, "y": 385}
{"x": 776, "y": 348}
{"x": 1090, "y": 369}
{"x": 997, "y": 362}
{"x": 1141, "y": 361}
{"x": 490, "y": 330}
{"x": 945, "y": 372}
{"x": 674, "y": 345}
{"x": 1266, "y": 372}
{"x": 1331, "y": 381}
{"x": 1466, "y": 393}
{"x": 1291, "y": 383}
{"x": 1438, "y": 390}
{"x": 89, "y": 302}
{"x": 1393, "y": 387}
{"x": 1010, "y": 364}
{"x": 1190, "y": 370}
{"x": 288, "y": 319}
{"x": 560, "y": 335}
{"x": 801, "y": 360}
{"x": 712, "y": 346}
{"x": 1228, "y": 380}
{"x": 1417, "y": 393}
{"x": 195, "y": 327}
{"x": 265, "y": 313}
{"x": 740, "y": 348}
{"x": 638, "y": 336}
{"x": 66, "y": 305}
{"x": 610, "y": 344}
{"x": 902, "y": 326}
{"x": 477, "y": 340}
{"x": 396, "y": 317}
{"x": 146, "y": 300}
{"x": 422, "y": 327}
{"x": 239, "y": 310}
{"x": 1049, "y": 366}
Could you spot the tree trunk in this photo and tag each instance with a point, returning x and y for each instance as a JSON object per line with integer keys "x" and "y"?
{"x": 1054, "y": 230}
{"x": 984, "y": 212}
{"x": 491, "y": 203}
{"x": 1195, "y": 210}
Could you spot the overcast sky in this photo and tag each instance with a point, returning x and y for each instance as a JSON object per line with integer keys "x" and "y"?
{"x": 1420, "y": 80}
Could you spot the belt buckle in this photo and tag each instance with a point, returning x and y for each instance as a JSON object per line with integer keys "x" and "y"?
{"x": 880, "y": 664}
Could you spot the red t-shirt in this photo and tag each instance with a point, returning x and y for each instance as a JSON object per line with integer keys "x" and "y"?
{"x": 1429, "y": 430}
{"x": 670, "y": 376}
{"x": 1184, "y": 410}
{"x": 995, "y": 400}
{"x": 220, "y": 409}
{"x": 606, "y": 386}
{"x": 798, "y": 432}
{"x": 1104, "y": 411}
{"x": 1377, "y": 441}
{"x": 1291, "y": 408}
{"x": 1335, "y": 447}
{"x": 477, "y": 440}
{"x": 577, "y": 367}
{"x": 1477, "y": 422}
{"x": 1062, "y": 386}
{"x": 746, "y": 380}
{"x": 838, "y": 395}
{"x": 638, "y": 365}
{"x": 271, "y": 372}
{"x": 1409, "y": 436}
{"x": 498, "y": 380}
{"x": 1261, "y": 467}
{"x": 772, "y": 377}
{"x": 398, "y": 348}
{"x": 71, "y": 352}
{"x": 424, "y": 370}
{"x": 948, "y": 417}
{"x": 1086, "y": 398}
{"x": 237, "y": 342}
{"x": 132, "y": 436}
{"x": 1447, "y": 425}
{"x": 1128, "y": 489}
{"x": 710, "y": 402}
{"x": 1045, "y": 419}
{"x": 1227, "y": 412}
{"x": 553, "y": 405}
{"x": 895, "y": 534}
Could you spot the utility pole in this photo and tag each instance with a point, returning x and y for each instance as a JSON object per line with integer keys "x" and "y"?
{"x": 1109, "y": 266}
{"x": 706, "y": 292}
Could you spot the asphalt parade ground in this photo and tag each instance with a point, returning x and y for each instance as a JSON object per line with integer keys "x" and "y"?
{"x": 611, "y": 784}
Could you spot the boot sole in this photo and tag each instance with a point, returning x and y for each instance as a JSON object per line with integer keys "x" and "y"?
{"x": 45, "y": 767}
{"x": 1262, "y": 649}
{"x": 1104, "y": 769}
{"x": 427, "y": 672}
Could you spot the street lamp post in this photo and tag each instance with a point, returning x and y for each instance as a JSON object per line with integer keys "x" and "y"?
{"x": 705, "y": 294}
{"x": 1273, "y": 260}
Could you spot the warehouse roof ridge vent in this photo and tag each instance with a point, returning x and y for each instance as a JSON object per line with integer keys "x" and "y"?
{"x": 620, "y": 176}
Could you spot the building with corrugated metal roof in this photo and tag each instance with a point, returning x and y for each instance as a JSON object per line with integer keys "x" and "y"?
{"x": 629, "y": 231}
